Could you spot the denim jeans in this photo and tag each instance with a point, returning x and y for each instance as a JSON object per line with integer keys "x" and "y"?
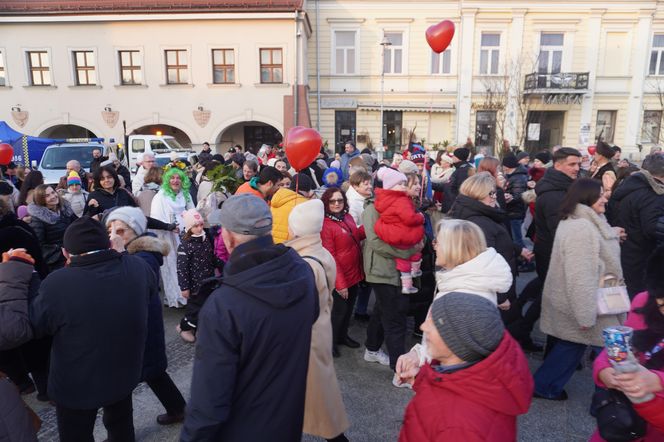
{"x": 558, "y": 367}
{"x": 517, "y": 236}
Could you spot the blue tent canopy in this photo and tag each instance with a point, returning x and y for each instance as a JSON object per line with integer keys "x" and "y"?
{"x": 27, "y": 148}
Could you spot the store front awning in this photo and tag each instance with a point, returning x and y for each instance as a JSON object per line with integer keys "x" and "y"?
{"x": 406, "y": 107}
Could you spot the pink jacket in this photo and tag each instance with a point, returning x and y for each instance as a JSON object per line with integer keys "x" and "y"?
{"x": 637, "y": 322}
{"x": 220, "y": 248}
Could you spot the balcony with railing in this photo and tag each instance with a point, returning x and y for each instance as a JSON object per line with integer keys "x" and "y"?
{"x": 560, "y": 83}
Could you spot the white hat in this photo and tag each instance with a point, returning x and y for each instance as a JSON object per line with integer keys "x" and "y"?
{"x": 307, "y": 218}
{"x": 131, "y": 216}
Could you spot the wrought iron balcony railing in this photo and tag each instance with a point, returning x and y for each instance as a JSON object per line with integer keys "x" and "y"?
{"x": 553, "y": 82}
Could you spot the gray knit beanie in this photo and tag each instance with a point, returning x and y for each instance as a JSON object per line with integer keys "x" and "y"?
{"x": 469, "y": 324}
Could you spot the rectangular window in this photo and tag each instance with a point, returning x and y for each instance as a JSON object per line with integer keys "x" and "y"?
{"x": 223, "y": 66}
{"x": 344, "y": 52}
{"x": 84, "y": 65}
{"x": 394, "y": 53}
{"x": 3, "y": 74}
{"x": 656, "y": 62}
{"x": 177, "y": 69}
{"x": 606, "y": 126}
{"x": 40, "y": 71}
{"x": 130, "y": 67}
{"x": 392, "y": 125}
{"x": 272, "y": 66}
{"x": 344, "y": 128}
{"x": 441, "y": 63}
{"x": 489, "y": 54}
{"x": 652, "y": 123}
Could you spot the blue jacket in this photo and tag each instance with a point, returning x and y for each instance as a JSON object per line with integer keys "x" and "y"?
{"x": 252, "y": 348}
{"x": 96, "y": 309}
{"x": 345, "y": 162}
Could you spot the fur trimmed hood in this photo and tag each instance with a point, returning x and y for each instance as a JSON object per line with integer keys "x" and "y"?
{"x": 148, "y": 243}
{"x": 48, "y": 216}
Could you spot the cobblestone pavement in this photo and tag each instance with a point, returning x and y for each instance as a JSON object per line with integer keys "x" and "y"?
{"x": 374, "y": 406}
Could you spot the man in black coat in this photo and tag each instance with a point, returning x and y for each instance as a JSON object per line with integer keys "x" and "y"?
{"x": 637, "y": 205}
{"x": 96, "y": 310}
{"x": 97, "y": 159}
{"x": 551, "y": 191}
{"x": 517, "y": 183}
{"x": 462, "y": 170}
{"x": 252, "y": 348}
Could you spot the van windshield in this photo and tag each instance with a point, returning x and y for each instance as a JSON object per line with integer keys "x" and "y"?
{"x": 173, "y": 144}
{"x": 57, "y": 157}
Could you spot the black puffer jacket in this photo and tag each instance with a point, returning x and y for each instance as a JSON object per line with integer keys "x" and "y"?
{"x": 637, "y": 206}
{"x": 49, "y": 227}
{"x": 491, "y": 221}
{"x": 551, "y": 191}
{"x": 461, "y": 174}
{"x": 16, "y": 234}
{"x": 16, "y": 285}
{"x": 196, "y": 262}
{"x": 517, "y": 183}
{"x": 120, "y": 198}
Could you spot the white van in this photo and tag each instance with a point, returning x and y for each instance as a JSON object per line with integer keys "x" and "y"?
{"x": 159, "y": 145}
{"x": 53, "y": 164}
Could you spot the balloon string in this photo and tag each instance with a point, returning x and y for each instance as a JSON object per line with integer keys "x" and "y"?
{"x": 297, "y": 184}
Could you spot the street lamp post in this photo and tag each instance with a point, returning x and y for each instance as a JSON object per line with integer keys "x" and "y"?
{"x": 384, "y": 43}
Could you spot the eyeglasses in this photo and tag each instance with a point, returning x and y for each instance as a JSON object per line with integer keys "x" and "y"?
{"x": 337, "y": 201}
{"x": 493, "y": 194}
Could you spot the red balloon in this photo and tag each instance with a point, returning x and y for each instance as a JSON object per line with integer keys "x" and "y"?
{"x": 592, "y": 149}
{"x": 302, "y": 146}
{"x": 440, "y": 36}
{"x": 6, "y": 153}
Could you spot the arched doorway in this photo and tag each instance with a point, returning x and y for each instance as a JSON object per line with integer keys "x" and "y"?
{"x": 67, "y": 131}
{"x": 251, "y": 135}
{"x": 165, "y": 129}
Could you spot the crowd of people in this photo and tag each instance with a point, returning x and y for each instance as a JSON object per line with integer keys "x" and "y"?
{"x": 271, "y": 265}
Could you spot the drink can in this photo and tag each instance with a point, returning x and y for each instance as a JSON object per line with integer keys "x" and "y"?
{"x": 618, "y": 343}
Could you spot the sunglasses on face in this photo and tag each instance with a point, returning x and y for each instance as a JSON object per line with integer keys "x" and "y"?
{"x": 339, "y": 201}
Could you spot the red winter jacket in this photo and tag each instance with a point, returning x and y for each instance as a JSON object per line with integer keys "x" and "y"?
{"x": 343, "y": 240}
{"x": 653, "y": 412}
{"x": 399, "y": 224}
{"x": 479, "y": 403}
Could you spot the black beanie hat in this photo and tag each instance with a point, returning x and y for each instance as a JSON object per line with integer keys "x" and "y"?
{"x": 510, "y": 161}
{"x": 85, "y": 235}
{"x": 543, "y": 156}
{"x": 462, "y": 153}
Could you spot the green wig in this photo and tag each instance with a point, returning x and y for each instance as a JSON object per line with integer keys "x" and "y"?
{"x": 186, "y": 183}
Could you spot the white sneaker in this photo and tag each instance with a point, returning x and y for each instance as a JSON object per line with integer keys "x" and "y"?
{"x": 376, "y": 356}
{"x": 396, "y": 381}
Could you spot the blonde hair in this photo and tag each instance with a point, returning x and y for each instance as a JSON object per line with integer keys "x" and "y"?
{"x": 478, "y": 186}
{"x": 458, "y": 241}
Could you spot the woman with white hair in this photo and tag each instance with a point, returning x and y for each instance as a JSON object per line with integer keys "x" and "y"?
{"x": 324, "y": 412}
{"x": 468, "y": 266}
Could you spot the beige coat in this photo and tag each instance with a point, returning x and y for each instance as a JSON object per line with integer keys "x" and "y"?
{"x": 324, "y": 412}
{"x": 584, "y": 250}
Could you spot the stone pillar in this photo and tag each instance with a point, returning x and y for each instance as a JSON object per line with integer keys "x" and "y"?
{"x": 592, "y": 62}
{"x": 515, "y": 59}
{"x": 467, "y": 55}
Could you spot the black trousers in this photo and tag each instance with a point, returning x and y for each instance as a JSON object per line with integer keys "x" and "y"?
{"x": 78, "y": 425}
{"x": 523, "y": 326}
{"x": 167, "y": 392}
{"x": 342, "y": 309}
{"x": 194, "y": 306}
{"x": 388, "y": 321}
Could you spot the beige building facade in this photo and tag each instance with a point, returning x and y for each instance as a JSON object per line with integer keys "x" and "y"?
{"x": 216, "y": 71}
{"x": 536, "y": 73}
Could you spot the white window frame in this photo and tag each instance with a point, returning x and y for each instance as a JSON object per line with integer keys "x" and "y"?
{"x": 551, "y": 48}
{"x": 333, "y": 54}
{"x": 404, "y": 51}
{"x": 72, "y": 62}
{"x": 446, "y": 53}
{"x": 490, "y": 49}
{"x": 222, "y": 47}
{"x": 3, "y": 56}
{"x": 612, "y": 124}
{"x": 28, "y": 74}
{"x": 659, "y": 64}
{"x": 118, "y": 64}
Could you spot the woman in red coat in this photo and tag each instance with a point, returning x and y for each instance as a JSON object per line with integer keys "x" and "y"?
{"x": 478, "y": 381}
{"x": 342, "y": 239}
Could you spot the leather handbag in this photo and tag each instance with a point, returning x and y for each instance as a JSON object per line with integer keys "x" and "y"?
{"x": 612, "y": 297}
{"x": 616, "y": 419}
